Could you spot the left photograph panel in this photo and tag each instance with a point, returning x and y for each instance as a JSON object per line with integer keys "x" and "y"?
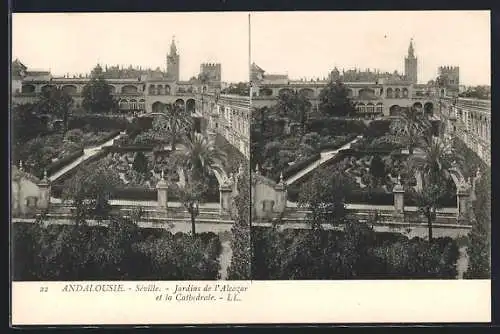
{"x": 130, "y": 146}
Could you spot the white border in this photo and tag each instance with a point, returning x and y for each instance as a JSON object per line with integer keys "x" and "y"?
{"x": 272, "y": 302}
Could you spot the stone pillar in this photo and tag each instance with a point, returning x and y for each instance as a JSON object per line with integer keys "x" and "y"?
{"x": 162, "y": 188}
{"x": 398, "y": 191}
{"x": 462, "y": 202}
{"x": 225, "y": 190}
{"x": 281, "y": 196}
{"x": 44, "y": 198}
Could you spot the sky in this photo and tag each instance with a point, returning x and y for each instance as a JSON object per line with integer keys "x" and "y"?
{"x": 310, "y": 44}
{"x": 301, "y": 44}
{"x": 75, "y": 42}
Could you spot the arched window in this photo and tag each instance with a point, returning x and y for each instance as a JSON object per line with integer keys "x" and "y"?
{"x": 405, "y": 92}
{"x": 133, "y": 105}
{"x": 397, "y": 93}
{"x": 389, "y": 93}
{"x": 151, "y": 90}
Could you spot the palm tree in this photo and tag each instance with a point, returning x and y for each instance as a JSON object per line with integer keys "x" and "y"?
{"x": 173, "y": 121}
{"x": 409, "y": 128}
{"x": 436, "y": 164}
{"x": 199, "y": 160}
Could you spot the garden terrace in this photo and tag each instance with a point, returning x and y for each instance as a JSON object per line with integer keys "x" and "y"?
{"x": 138, "y": 176}
{"x": 54, "y": 151}
{"x": 374, "y": 185}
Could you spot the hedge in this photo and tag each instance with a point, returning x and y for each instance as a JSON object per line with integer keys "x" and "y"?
{"x": 110, "y": 136}
{"x": 99, "y": 122}
{"x": 136, "y": 193}
{"x": 57, "y": 165}
{"x": 63, "y": 178}
{"x": 373, "y": 197}
{"x": 129, "y": 148}
{"x": 377, "y": 128}
{"x": 449, "y": 201}
{"x": 338, "y": 143}
{"x": 335, "y": 126}
{"x": 289, "y": 171}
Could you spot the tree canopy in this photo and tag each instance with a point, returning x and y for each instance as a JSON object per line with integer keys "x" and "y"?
{"x": 335, "y": 101}
{"x": 97, "y": 94}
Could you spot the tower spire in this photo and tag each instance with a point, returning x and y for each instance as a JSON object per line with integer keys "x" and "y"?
{"x": 173, "y": 48}
{"x": 411, "y": 50}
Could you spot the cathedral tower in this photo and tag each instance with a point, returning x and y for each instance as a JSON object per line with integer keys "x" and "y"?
{"x": 411, "y": 64}
{"x": 173, "y": 62}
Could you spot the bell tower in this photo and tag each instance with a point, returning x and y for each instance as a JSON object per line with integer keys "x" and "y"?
{"x": 173, "y": 59}
{"x": 411, "y": 64}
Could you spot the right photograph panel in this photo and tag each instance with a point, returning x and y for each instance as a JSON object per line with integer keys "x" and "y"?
{"x": 370, "y": 145}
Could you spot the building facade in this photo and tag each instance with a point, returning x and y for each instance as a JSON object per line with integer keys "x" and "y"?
{"x": 373, "y": 93}
{"x": 145, "y": 91}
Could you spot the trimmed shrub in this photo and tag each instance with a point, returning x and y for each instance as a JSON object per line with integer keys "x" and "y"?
{"x": 136, "y": 193}
{"x": 291, "y": 170}
{"x": 129, "y": 148}
{"x": 98, "y": 122}
{"x": 337, "y": 142}
{"x": 57, "y": 165}
{"x": 374, "y": 197}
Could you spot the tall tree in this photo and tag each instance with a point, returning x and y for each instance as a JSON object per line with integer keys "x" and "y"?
{"x": 191, "y": 196}
{"x": 325, "y": 195}
{"x": 479, "y": 246}
{"x": 294, "y": 106}
{"x": 97, "y": 94}
{"x": 409, "y": 129}
{"x": 140, "y": 163}
{"x": 240, "y": 267}
{"x": 334, "y": 100}
{"x": 436, "y": 166}
{"x": 57, "y": 103}
{"x": 90, "y": 190}
{"x": 174, "y": 122}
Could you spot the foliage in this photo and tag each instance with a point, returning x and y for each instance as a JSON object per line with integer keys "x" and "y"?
{"x": 201, "y": 157}
{"x": 173, "y": 123}
{"x": 57, "y": 103}
{"x": 119, "y": 251}
{"x": 479, "y": 247}
{"x": 191, "y": 196}
{"x": 295, "y": 107}
{"x": 334, "y": 100}
{"x": 408, "y": 129}
{"x": 98, "y": 122}
{"x": 90, "y": 189}
{"x": 26, "y": 123}
{"x": 416, "y": 258}
{"x": 97, "y": 95}
{"x": 377, "y": 168}
{"x": 240, "y": 267}
{"x": 140, "y": 163}
{"x": 357, "y": 252}
{"x": 241, "y": 88}
{"x": 325, "y": 195}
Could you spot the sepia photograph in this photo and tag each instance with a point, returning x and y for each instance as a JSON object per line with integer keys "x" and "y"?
{"x": 130, "y": 146}
{"x": 277, "y": 167}
{"x": 370, "y": 145}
